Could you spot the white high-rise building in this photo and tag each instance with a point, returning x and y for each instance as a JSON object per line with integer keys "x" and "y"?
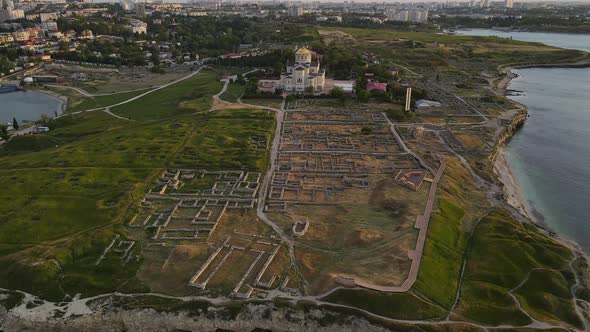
{"x": 9, "y": 15}
{"x": 508, "y": 3}
{"x": 414, "y": 15}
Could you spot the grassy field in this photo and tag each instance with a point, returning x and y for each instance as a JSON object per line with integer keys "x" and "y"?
{"x": 78, "y": 102}
{"x": 276, "y": 103}
{"x": 438, "y": 51}
{"x": 546, "y": 296}
{"x": 398, "y": 305}
{"x": 442, "y": 252}
{"x": 233, "y": 92}
{"x": 136, "y": 145}
{"x": 189, "y": 96}
{"x": 67, "y": 193}
{"x": 128, "y": 79}
{"x": 440, "y": 262}
{"x": 46, "y": 203}
{"x": 521, "y": 254}
{"x": 222, "y": 141}
{"x": 75, "y": 189}
{"x": 505, "y": 261}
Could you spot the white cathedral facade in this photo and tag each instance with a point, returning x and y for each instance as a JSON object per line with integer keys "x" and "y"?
{"x": 304, "y": 75}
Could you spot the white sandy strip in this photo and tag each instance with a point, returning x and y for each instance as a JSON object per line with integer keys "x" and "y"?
{"x": 512, "y": 190}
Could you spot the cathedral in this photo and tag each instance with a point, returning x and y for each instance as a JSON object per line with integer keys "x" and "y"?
{"x": 304, "y": 75}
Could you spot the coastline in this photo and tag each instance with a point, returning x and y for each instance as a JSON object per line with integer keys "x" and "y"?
{"x": 51, "y": 111}
{"x": 512, "y": 191}
{"x": 513, "y": 194}
{"x": 63, "y": 100}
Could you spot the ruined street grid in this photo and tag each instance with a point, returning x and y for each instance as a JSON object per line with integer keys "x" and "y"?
{"x": 322, "y": 154}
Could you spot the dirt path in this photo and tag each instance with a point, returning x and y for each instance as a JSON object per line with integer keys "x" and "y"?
{"x": 91, "y": 95}
{"x": 405, "y": 147}
{"x": 336, "y": 35}
{"x": 274, "y": 151}
{"x": 107, "y": 109}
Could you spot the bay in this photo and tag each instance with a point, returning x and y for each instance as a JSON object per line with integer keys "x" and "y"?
{"x": 550, "y": 155}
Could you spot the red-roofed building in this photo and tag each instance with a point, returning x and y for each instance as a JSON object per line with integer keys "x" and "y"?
{"x": 43, "y": 57}
{"x": 231, "y": 56}
{"x": 376, "y": 86}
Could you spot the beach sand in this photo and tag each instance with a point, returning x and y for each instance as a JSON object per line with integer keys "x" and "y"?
{"x": 61, "y": 98}
{"x": 512, "y": 191}
{"x": 501, "y": 84}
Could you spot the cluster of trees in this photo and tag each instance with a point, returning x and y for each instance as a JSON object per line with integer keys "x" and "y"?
{"x": 341, "y": 62}
{"x": 3, "y": 132}
{"x": 5, "y": 64}
{"x": 205, "y": 36}
{"x": 99, "y": 25}
{"x": 274, "y": 60}
{"x": 210, "y": 36}
{"x": 9, "y": 55}
{"x": 4, "y": 128}
{"x": 129, "y": 54}
{"x": 358, "y": 20}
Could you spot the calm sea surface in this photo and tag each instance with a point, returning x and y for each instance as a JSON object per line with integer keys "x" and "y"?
{"x": 26, "y": 105}
{"x": 550, "y": 156}
{"x": 564, "y": 40}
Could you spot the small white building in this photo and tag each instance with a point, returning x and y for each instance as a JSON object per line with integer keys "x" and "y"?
{"x": 423, "y": 103}
{"x": 41, "y": 130}
{"x": 346, "y": 86}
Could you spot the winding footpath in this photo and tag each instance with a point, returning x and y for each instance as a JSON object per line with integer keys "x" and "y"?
{"x": 88, "y": 94}
{"x": 107, "y": 109}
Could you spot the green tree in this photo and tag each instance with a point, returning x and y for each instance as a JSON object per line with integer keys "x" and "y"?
{"x": 14, "y": 124}
{"x": 240, "y": 79}
{"x": 155, "y": 57}
{"x": 5, "y": 64}
{"x": 3, "y": 132}
{"x": 363, "y": 95}
{"x": 337, "y": 92}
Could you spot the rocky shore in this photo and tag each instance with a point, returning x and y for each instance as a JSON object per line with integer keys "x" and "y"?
{"x": 112, "y": 313}
{"x": 512, "y": 191}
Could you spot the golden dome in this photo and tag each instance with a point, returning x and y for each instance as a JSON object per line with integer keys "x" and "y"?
{"x": 303, "y": 51}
